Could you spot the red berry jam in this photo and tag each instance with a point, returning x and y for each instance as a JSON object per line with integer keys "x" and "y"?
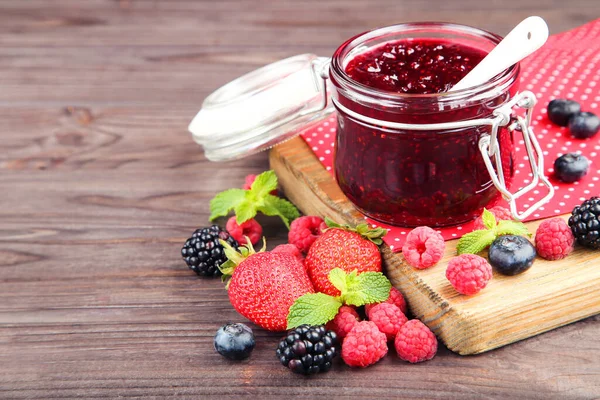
{"x": 414, "y": 66}
{"x": 416, "y": 177}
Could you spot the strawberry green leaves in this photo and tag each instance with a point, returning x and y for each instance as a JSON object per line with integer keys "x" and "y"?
{"x": 356, "y": 290}
{"x": 247, "y": 203}
{"x": 476, "y": 241}
{"x": 374, "y": 235}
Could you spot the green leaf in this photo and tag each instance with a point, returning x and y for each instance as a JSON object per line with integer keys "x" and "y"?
{"x": 475, "y": 241}
{"x": 512, "y": 228}
{"x": 245, "y": 210}
{"x": 374, "y": 235}
{"x": 225, "y": 201}
{"x": 264, "y": 184}
{"x": 489, "y": 219}
{"x": 276, "y": 206}
{"x": 313, "y": 309}
{"x": 234, "y": 258}
{"x": 367, "y": 288}
{"x": 337, "y": 277}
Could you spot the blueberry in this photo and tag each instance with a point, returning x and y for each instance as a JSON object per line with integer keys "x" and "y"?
{"x": 511, "y": 254}
{"x": 584, "y": 125}
{"x": 560, "y": 110}
{"x": 571, "y": 167}
{"x": 234, "y": 341}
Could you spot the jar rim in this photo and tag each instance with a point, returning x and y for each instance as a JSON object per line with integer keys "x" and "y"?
{"x": 338, "y": 72}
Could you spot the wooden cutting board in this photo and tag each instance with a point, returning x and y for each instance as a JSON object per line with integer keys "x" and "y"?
{"x": 549, "y": 295}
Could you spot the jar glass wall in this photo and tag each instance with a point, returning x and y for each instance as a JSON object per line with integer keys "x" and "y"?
{"x": 412, "y": 177}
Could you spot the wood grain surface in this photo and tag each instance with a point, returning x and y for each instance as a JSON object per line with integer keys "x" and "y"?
{"x": 100, "y": 184}
{"x": 511, "y": 308}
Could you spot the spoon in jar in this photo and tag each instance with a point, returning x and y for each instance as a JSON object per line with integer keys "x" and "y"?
{"x": 524, "y": 39}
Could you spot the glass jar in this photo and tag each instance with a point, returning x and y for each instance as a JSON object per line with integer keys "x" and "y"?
{"x": 403, "y": 159}
{"x": 414, "y": 177}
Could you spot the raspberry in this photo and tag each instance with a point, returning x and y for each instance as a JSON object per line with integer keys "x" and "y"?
{"x": 290, "y": 249}
{"x": 250, "y": 228}
{"x": 395, "y": 298}
{"x": 388, "y": 318}
{"x": 364, "y": 345}
{"x": 501, "y": 213}
{"x": 469, "y": 273}
{"x": 249, "y": 180}
{"x": 304, "y": 231}
{"x": 554, "y": 239}
{"x": 344, "y": 321}
{"x": 415, "y": 342}
{"x": 423, "y": 248}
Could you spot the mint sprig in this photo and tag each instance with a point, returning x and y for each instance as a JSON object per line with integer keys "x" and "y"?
{"x": 476, "y": 241}
{"x": 247, "y": 203}
{"x": 356, "y": 290}
{"x": 313, "y": 309}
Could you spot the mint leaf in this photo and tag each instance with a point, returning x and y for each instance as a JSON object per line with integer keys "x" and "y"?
{"x": 489, "y": 219}
{"x": 512, "y": 228}
{"x": 264, "y": 184}
{"x": 337, "y": 277}
{"x": 225, "y": 201}
{"x": 313, "y": 309}
{"x": 245, "y": 209}
{"x": 475, "y": 241}
{"x": 375, "y": 286}
{"x": 367, "y": 288}
{"x": 276, "y": 206}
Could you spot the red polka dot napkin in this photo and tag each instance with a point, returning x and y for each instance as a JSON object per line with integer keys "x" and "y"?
{"x": 567, "y": 66}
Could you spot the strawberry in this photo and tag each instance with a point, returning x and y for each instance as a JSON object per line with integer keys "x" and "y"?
{"x": 346, "y": 248}
{"x": 264, "y": 285}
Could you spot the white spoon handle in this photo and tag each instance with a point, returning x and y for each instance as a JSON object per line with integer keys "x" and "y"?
{"x": 523, "y": 40}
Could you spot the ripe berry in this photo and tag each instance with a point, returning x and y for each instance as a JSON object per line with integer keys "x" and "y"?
{"x": 415, "y": 342}
{"x": 395, "y": 298}
{"x": 234, "y": 341}
{"x": 364, "y": 345}
{"x": 289, "y": 249}
{"x": 308, "y": 349}
{"x": 571, "y": 167}
{"x": 501, "y": 213}
{"x": 585, "y": 223}
{"x": 468, "y": 273}
{"x": 584, "y": 125}
{"x": 305, "y": 230}
{"x": 561, "y": 110}
{"x": 388, "y": 319}
{"x": 203, "y": 253}
{"x": 554, "y": 239}
{"x": 511, "y": 254}
{"x": 344, "y": 321}
{"x": 250, "y": 229}
{"x": 423, "y": 248}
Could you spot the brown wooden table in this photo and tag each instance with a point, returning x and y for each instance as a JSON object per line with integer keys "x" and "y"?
{"x": 100, "y": 184}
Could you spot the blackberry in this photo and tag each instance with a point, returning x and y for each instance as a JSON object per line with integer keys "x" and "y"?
{"x": 585, "y": 223}
{"x": 203, "y": 253}
{"x": 308, "y": 349}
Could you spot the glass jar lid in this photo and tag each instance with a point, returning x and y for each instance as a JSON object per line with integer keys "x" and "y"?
{"x": 262, "y": 108}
